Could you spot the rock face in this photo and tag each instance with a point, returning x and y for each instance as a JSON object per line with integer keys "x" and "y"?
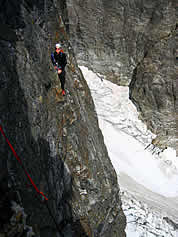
{"x": 57, "y": 138}
{"x": 131, "y": 43}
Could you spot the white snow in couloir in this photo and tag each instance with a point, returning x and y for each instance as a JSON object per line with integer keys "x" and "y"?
{"x": 126, "y": 137}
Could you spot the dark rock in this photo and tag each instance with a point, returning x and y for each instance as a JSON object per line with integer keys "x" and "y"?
{"x": 7, "y": 33}
{"x": 59, "y": 142}
{"x": 153, "y": 89}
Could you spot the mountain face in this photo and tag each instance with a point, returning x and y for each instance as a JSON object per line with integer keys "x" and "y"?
{"x": 132, "y": 43}
{"x": 57, "y": 138}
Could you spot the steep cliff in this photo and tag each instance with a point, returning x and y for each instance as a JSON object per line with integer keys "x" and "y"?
{"x": 57, "y": 138}
{"x": 131, "y": 43}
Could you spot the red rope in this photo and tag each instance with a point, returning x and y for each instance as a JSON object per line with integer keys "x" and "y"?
{"x": 19, "y": 160}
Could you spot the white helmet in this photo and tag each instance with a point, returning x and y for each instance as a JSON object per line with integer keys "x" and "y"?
{"x": 58, "y": 45}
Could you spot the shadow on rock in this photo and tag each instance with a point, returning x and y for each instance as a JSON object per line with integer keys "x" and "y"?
{"x": 47, "y": 170}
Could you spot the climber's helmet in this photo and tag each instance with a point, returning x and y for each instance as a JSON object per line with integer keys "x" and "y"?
{"x": 58, "y": 46}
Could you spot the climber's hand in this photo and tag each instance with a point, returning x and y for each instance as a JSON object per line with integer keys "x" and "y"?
{"x": 59, "y": 71}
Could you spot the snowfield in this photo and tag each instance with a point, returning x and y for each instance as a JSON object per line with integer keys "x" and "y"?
{"x": 145, "y": 178}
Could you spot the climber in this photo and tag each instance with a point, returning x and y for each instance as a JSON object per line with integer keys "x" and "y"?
{"x": 59, "y": 61}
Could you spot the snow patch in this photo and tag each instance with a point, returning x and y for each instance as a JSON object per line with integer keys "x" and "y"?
{"x": 126, "y": 138}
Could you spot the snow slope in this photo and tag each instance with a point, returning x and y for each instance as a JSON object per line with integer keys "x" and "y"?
{"x": 152, "y": 179}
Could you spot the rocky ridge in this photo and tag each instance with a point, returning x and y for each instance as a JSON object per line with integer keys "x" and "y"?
{"x": 57, "y": 138}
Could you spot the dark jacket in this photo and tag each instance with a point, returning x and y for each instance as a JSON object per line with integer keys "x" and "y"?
{"x": 59, "y": 60}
